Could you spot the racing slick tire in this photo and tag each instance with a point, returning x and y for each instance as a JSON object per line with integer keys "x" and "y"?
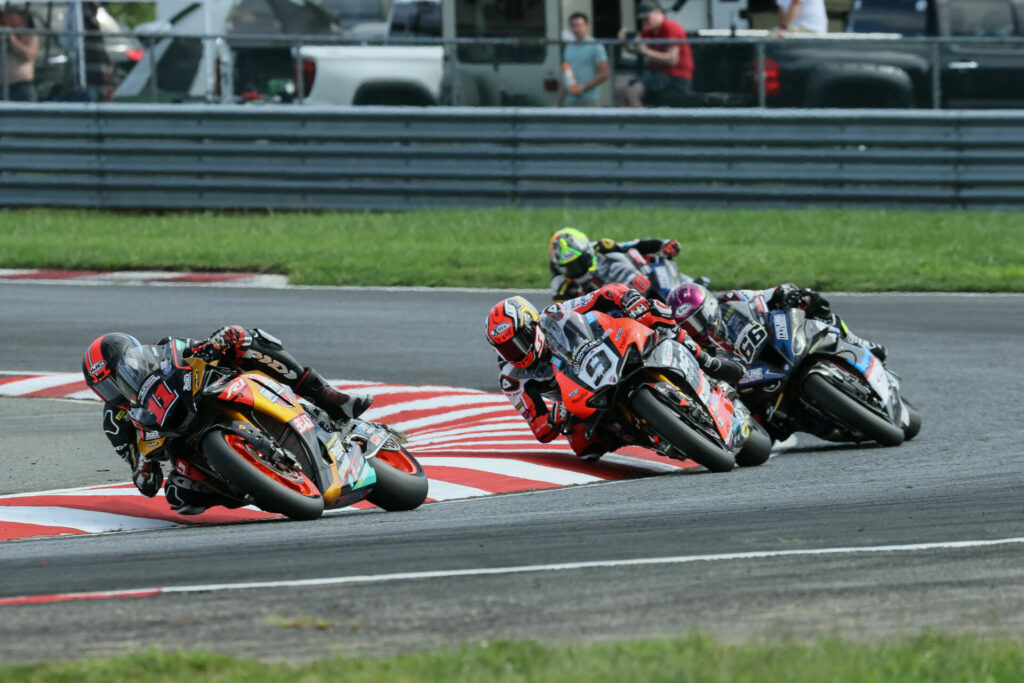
{"x": 668, "y": 425}
{"x": 401, "y": 482}
{"x": 860, "y": 417}
{"x": 756, "y": 449}
{"x": 272, "y": 488}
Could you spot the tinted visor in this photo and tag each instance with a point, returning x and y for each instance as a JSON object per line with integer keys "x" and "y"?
{"x": 519, "y": 346}
{"x": 108, "y": 390}
{"x": 702, "y": 322}
{"x": 578, "y": 267}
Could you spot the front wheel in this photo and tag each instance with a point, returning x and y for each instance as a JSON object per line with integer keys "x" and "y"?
{"x": 756, "y": 449}
{"x": 668, "y": 425}
{"x": 847, "y": 409}
{"x": 914, "y": 422}
{"x": 401, "y": 482}
{"x": 273, "y": 488}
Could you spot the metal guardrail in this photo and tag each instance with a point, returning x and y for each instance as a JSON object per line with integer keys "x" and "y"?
{"x": 395, "y": 158}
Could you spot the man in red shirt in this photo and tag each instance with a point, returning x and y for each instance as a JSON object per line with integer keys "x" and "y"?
{"x": 668, "y": 80}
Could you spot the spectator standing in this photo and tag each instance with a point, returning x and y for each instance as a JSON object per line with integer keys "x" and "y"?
{"x": 668, "y": 81}
{"x": 22, "y": 49}
{"x": 585, "y": 67}
{"x": 99, "y": 68}
{"x": 802, "y": 16}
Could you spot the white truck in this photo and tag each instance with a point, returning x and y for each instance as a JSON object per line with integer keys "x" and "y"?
{"x": 485, "y": 75}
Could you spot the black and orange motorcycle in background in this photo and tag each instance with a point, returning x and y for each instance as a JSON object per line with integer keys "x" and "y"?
{"x": 632, "y": 387}
{"x": 252, "y": 439}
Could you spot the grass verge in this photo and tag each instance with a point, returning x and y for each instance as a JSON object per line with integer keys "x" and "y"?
{"x": 929, "y": 657}
{"x": 825, "y": 249}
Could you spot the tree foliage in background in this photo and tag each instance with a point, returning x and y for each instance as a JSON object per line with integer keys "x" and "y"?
{"x": 133, "y": 13}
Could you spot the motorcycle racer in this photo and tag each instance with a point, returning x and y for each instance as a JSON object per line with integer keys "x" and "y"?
{"x": 107, "y": 361}
{"x": 707, "y": 317}
{"x": 579, "y": 266}
{"x": 526, "y": 375}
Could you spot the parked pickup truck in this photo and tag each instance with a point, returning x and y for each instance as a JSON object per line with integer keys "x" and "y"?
{"x": 374, "y": 74}
{"x": 883, "y": 70}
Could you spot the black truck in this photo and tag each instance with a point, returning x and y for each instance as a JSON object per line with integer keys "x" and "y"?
{"x": 882, "y": 61}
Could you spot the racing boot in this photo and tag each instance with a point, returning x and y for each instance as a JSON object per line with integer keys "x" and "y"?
{"x": 877, "y": 350}
{"x": 722, "y": 369}
{"x": 190, "y": 497}
{"x": 338, "y": 404}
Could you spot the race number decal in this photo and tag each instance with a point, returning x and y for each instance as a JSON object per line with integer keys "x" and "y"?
{"x": 750, "y": 340}
{"x": 160, "y": 402}
{"x": 596, "y": 365}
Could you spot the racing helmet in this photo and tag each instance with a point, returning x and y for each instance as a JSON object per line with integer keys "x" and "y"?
{"x": 513, "y": 331}
{"x": 695, "y": 309}
{"x": 100, "y": 363}
{"x": 572, "y": 254}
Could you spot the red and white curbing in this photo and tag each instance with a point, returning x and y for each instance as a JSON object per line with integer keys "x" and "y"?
{"x": 471, "y": 443}
{"x": 141, "y": 277}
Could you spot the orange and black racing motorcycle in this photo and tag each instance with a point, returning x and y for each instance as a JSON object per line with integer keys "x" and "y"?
{"x": 252, "y": 439}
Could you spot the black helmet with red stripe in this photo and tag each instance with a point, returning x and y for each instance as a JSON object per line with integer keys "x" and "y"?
{"x": 513, "y": 331}
{"x": 100, "y": 364}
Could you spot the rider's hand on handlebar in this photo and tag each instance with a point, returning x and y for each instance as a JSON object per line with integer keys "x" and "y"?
{"x": 670, "y": 248}
{"x": 634, "y": 304}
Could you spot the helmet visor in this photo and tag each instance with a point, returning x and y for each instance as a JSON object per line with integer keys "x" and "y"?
{"x": 704, "y": 320}
{"x": 578, "y": 267}
{"x": 516, "y": 349}
{"x": 137, "y": 364}
{"x": 108, "y": 390}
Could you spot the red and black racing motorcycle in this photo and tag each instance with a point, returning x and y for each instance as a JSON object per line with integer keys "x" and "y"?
{"x": 636, "y": 388}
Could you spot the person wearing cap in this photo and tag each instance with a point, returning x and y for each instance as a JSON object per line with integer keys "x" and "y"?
{"x": 801, "y": 16}
{"x": 668, "y": 80}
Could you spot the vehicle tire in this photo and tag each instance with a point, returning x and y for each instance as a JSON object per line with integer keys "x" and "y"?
{"x": 757, "y": 448}
{"x": 915, "y": 422}
{"x": 861, "y": 418}
{"x": 291, "y": 493}
{"x": 670, "y": 426}
{"x": 401, "y": 482}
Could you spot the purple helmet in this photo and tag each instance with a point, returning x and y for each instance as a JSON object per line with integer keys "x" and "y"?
{"x": 695, "y": 309}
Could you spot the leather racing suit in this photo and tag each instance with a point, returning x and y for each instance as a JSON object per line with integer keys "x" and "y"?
{"x": 530, "y": 389}
{"x": 233, "y": 347}
{"x": 727, "y": 336}
{"x": 616, "y": 262}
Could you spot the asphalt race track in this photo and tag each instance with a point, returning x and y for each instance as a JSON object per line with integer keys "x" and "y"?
{"x": 822, "y": 540}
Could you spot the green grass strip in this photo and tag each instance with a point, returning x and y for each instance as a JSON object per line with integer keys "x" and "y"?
{"x": 929, "y": 657}
{"x": 825, "y": 249}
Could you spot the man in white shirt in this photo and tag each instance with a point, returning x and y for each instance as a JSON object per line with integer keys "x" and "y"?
{"x": 802, "y": 16}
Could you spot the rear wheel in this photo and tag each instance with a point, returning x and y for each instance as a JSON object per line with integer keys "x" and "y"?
{"x": 401, "y": 482}
{"x": 273, "y": 488}
{"x": 668, "y": 425}
{"x": 756, "y": 449}
{"x": 851, "y": 412}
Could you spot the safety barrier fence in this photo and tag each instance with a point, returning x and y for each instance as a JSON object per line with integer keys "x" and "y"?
{"x": 394, "y": 158}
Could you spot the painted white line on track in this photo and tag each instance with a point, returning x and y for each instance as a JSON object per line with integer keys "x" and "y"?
{"x": 522, "y": 569}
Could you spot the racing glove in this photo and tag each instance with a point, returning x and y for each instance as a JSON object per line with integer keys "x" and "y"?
{"x": 670, "y": 248}
{"x": 230, "y": 341}
{"x": 558, "y": 415}
{"x": 148, "y": 477}
{"x": 634, "y": 305}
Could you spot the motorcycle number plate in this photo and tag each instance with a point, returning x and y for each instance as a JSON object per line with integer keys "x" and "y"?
{"x": 750, "y": 340}
{"x": 595, "y": 367}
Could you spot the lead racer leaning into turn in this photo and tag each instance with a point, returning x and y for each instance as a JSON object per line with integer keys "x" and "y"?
{"x": 232, "y": 346}
{"x": 526, "y": 375}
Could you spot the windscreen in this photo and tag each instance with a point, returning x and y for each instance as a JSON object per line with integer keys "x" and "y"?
{"x": 570, "y": 336}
